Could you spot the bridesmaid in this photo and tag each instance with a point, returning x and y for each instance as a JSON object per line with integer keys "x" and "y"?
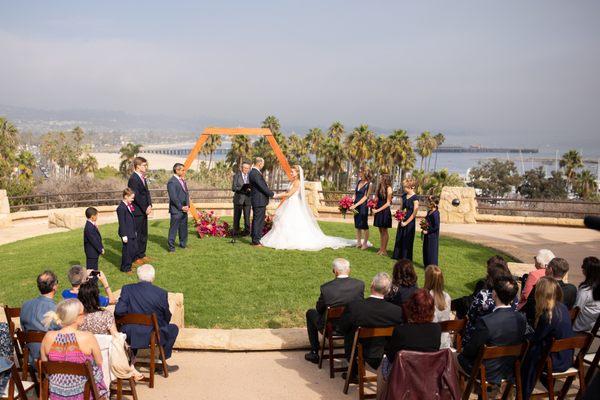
{"x": 361, "y": 219}
{"x": 431, "y": 236}
{"x": 382, "y": 211}
{"x": 405, "y": 236}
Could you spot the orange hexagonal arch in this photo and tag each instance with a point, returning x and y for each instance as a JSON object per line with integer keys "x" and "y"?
{"x": 232, "y": 132}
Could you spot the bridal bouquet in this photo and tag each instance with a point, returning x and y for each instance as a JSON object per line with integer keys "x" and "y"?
{"x": 268, "y": 224}
{"x": 399, "y": 215}
{"x": 208, "y": 224}
{"x": 344, "y": 205}
{"x": 424, "y": 226}
{"x": 371, "y": 204}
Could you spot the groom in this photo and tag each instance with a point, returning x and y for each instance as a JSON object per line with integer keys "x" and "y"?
{"x": 259, "y": 197}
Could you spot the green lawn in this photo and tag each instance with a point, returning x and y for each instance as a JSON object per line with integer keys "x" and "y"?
{"x": 229, "y": 285}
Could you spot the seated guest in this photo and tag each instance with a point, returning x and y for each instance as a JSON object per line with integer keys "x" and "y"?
{"x": 462, "y": 304}
{"x": 338, "y": 292}
{"x": 373, "y": 311}
{"x": 6, "y": 355}
{"x": 541, "y": 260}
{"x": 588, "y": 296}
{"x": 145, "y": 298}
{"x": 484, "y": 303}
{"x": 434, "y": 282}
{"x": 504, "y": 326}
{"x": 557, "y": 269}
{"x": 95, "y": 319}
{"x": 419, "y": 334}
{"x": 78, "y": 275}
{"x": 552, "y": 321}
{"x": 73, "y": 345}
{"x": 33, "y": 311}
{"x": 404, "y": 282}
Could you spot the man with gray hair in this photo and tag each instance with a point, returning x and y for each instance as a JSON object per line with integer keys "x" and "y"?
{"x": 337, "y": 292}
{"x": 373, "y": 311}
{"x": 145, "y": 298}
{"x": 259, "y": 197}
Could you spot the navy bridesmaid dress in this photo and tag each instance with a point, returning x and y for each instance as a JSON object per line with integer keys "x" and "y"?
{"x": 361, "y": 219}
{"x": 405, "y": 235}
{"x": 431, "y": 241}
{"x": 383, "y": 219}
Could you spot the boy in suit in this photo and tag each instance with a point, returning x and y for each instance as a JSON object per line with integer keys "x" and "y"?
{"x": 179, "y": 205}
{"x": 142, "y": 206}
{"x": 127, "y": 231}
{"x": 92, "y": 240}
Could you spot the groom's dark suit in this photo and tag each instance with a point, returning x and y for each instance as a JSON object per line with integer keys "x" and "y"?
{"x": 259, "y": 197}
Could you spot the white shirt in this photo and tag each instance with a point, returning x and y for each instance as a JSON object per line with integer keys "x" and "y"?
{"x": 180, "y": 181}
{"x": 499, "y": 307}
{"x": 376, "y": 296}
{"x": 245, "y": 178}
{"x": 342, "y": 276}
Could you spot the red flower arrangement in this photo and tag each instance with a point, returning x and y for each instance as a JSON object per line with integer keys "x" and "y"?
{"x": 208, "y": 224}
{"x": 424, "y": 226}
{"x": 268, "y": 224}
{"x": 344, "y": 204}
{"x": 399, "y": 215}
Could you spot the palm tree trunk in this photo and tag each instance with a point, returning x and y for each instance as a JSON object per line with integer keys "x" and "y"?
{"x": 435, "y": 164}
{"x": 210, "y": 160}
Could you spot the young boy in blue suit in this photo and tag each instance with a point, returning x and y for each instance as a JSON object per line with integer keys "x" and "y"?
{"x": 92, "y": 240}
{"x": 127, "y": 231}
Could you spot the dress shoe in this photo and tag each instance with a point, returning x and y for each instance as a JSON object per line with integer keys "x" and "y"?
{"x": 146, "y": 259}
{"x": 312, "y": 356}
{"x": 170, "y": 368}
{"x": 171, "y": 250}
{"x": 139, "y": 261}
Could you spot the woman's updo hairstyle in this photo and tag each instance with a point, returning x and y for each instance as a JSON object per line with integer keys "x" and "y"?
{"x": 66, "y": 313}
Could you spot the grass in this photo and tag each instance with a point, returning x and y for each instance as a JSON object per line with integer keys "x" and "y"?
{"x": 229, "y": 285}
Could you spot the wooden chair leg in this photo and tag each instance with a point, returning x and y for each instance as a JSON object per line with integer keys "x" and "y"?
{"x": 322, "y": 349}
{"x": 161, "y": 352}
{"x": 119, "y": 388}
{"x": 468, "y": 388}
{"x": 550, "y": 387}
{"x": 152, "y": 361}
{"x": 331, "y": 359}
{"x": 132, "y": 387}
{"x": 350, "y": 368}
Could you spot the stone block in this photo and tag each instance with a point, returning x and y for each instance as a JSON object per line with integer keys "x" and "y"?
{"x": 70, "y": 218}
{"x": 314, "y": 195}
{"x": 268, "y": 339}
{"x": 5, "y": 218}
{"x": 465, "y": 212}
{"x": 203, "y": 339}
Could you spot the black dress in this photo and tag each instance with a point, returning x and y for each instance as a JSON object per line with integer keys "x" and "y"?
{"x": 383, "y": 219}
{"x": 361, "y": 219}
{"x": 431, "y": 241}
{"x": 405, "y": 236}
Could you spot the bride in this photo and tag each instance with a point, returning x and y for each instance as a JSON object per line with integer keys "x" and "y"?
{"x": 294, "y": 225}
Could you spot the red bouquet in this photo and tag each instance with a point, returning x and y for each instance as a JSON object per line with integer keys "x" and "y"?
{"x": 344, "y": 204}
{"x": 268, "y": 224}
{"x": 208, "y": 224}
{"x": 399, "y": 215}
{"x": 424, "y": 226}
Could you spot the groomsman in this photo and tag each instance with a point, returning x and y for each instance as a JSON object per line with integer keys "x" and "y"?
{"x": 241, "y": 199}
{"x": 92, "y": 240}
{"x": 127, "y": 233}
{"x": 143, "y": 206}
{"x": 179, "y": 205}
{"x": 259, "y": 196}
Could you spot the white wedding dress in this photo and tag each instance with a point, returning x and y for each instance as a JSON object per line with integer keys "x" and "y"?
{"x": 296, "y": 228}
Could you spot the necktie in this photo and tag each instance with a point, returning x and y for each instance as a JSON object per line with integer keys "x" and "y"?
{"x": 184, "y": 184}
{"x": 131, "y": 207}
{"x": 245, "y": 177}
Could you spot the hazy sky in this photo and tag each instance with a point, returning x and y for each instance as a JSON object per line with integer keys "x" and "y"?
{"x": 509, "y": 72}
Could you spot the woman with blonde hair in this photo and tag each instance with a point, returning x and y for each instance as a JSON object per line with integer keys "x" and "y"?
{"x": 434, "y": 283}
{"x": 72, "y": 345}
{"x": 382, "y": 211}
{"x": 552, "y": 321}
{"x": 405, "y": 235}
{"x": 362, "y": 192}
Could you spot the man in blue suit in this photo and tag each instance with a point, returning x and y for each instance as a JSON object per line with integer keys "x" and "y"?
{"x": 179, "y": 205}
{"x": 127, "y": 231}
{"x": 92, "y": 240}
{"x": 259, "y": 196}
{"x": 145, "y": 298}
{"x": 143, "y": 206}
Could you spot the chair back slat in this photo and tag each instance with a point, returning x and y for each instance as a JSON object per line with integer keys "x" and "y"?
{"x": 30, "y": 337}
{"x": 11, "y": 312}
{"x": 68, "y": 368}
{"x": 366, "y": 333}
{"x": 516, "y": 350}
{"x": 334, "y": 312}
{"x": 453, "y": 325}
{"x": 579, "y": 341}
{"x": 134, "y": 319}
{"x": 573, "y": 313}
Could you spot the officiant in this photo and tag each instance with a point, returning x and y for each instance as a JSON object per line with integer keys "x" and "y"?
{"x": 241, "y": 199}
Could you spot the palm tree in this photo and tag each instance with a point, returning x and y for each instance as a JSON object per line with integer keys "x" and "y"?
{"x": 210, "y": 146}
{"x": 334, "y": 157}
{"x": 336, "y": 131}
{"x": 425, "y": 143}
{"x": 128, "y": 153}
{"x": 88, "y": 164}
{"x": 315, "y": 140}
{"x": 361, "y": 145}
{"x": 585, "y": 184}
{"x": 439, "y": 179}
{"x": 241, "y": 149}
{"x": 401, "y": 152}
{"x": 571, "y": 161}
{"x": 439, "y": 140}
{"x": 272, "y": 123}
{"x": 296, "y": 149}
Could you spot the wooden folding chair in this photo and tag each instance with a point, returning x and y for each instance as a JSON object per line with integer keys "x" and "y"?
{"x": 119, "y": 390}
{"x": 478, "y": 372}
{"x": 357, "y": 352}
{"x": 25, "y": 338}
{"x": 48, "y": 368}
{"x": 332, "y": 314}
{"x": 12, "y": 313}
{"x": 593, "y": 359}
{"x": 148, "y": 320}
{"x": 16, "y": 388}
{"x": 573, "y": 313}
{"x": 579, "y": 342}
{"x": 456, "y": 328}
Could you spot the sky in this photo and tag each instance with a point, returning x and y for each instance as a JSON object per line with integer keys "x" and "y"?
{"x": 508, "y": 72}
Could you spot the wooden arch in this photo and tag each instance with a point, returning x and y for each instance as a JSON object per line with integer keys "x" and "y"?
{"x": 232, "y": 132}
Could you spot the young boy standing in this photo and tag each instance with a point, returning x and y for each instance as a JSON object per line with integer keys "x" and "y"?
{"x": 92, "y": 240}
{"x": 127, "y": 231}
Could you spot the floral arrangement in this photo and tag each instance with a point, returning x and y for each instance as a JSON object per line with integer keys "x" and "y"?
{"x": 344, "y": 204}
{"x": 424, "y": 226}
{"x": 371, "y": 204}
{"x": 208, "y": 224}
{"x": 268, "y": 224}
{"x": 399, "y": 215}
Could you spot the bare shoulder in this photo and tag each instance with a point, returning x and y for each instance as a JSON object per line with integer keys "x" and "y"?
{"x": 296, "y": 184}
